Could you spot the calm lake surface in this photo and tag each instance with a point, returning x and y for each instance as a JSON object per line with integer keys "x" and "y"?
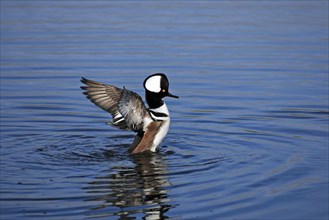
{"x": 248, "y": 136}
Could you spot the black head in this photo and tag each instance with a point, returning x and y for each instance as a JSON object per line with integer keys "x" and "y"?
{"x": 157, "y": 87}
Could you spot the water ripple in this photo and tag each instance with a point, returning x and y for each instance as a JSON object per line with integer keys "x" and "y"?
{"x": 248, "y": 136}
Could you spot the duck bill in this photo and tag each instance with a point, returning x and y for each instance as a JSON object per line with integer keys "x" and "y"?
{"x": 172, "y": 96}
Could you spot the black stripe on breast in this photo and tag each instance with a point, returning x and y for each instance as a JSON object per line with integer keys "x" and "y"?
{"x": 158, "y": 114}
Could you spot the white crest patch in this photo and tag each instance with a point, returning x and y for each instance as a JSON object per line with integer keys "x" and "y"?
{"x": 153, "y": 84}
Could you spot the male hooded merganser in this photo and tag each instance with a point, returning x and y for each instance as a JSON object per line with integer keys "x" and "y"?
{"x": 129, "y": 112}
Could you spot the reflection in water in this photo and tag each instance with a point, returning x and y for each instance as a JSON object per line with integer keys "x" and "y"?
{"x": 138, "y": 189}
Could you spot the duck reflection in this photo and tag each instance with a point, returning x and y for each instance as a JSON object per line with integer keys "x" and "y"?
{"x": 133, "y": 190}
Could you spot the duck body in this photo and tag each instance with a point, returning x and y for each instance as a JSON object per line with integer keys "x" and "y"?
{"x": 129, "y": 112}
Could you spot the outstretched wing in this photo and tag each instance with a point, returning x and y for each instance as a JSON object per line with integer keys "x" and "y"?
{"x": 107, "y": 98}
{"x": 126, "y": 107}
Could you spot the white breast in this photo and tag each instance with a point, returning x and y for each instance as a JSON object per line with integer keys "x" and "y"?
{"x": 161, "y": 134}
{"x": 163, "y": 130}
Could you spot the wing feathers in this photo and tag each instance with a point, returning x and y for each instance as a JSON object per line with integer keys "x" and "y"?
{"x": 133, "y": 109}
{"x": 106, "y": 97}
{"x": 126, "y": 107}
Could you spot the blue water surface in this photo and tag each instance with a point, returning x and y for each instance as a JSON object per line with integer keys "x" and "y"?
{"x": 248, "y": 136}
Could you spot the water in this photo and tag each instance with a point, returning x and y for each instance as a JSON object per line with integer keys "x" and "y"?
{"x": 248, "y": 137}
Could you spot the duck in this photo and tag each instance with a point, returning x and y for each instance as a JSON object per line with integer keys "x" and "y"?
{"x": 130, "y": 113}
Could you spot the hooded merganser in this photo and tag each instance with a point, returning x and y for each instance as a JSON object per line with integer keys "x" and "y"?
{"x": 129, "y": 112}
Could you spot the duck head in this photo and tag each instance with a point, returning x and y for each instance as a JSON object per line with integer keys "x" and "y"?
{"x": 156, "y": 88}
